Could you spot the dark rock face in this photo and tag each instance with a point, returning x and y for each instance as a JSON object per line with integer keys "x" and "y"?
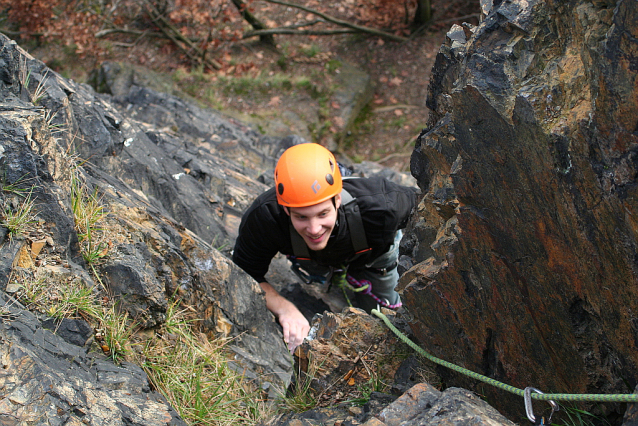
{"x": 523, "y": 254}
{"x": 174, "y": 189}
{"x": 520, "y": 263}
{"x": 46, "y": 380}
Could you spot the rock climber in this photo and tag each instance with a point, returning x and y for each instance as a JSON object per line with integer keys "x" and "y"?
{"x": 332, "y": 228}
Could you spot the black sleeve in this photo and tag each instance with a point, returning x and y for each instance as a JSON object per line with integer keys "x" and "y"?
{"x": 260, "y": 237}
{"x": 400, "y": 202}
{"x": 386, "y": 207}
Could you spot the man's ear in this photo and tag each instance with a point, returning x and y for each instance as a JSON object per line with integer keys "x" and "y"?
{"x": 286, "y": 210}
{"x": 337, "y": 201}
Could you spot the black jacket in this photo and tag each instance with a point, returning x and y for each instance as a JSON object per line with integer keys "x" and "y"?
{"x": 265, "y": 227}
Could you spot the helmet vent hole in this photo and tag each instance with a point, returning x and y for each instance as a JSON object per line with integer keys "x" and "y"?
{"x": 330, "y": 179}
{"x": 280, "y": 188}
{"x": 332, "y": 165}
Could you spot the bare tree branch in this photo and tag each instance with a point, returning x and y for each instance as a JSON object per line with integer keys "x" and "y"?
{"x": 340, "y": 22}
{"x": 306, "y": 24}
{"x": 459, "y": 18}
{"x": 291, "y": 31}
{"x": 179, "y": 39}
{"x": 105, "y": 32}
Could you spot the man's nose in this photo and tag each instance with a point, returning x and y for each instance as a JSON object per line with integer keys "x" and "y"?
{"x": 314, "y": 226}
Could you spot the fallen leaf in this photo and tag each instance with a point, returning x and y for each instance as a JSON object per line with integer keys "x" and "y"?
{"x": 396, "y": 81}
{"x": 335, "y": 105}
{"x": 351, "y": 381}
{"x": 36, "y": 247}
{"x": 274, "y": 101}
{"x": 339, "y": 122}
{"x": 393, "y": 100}
{"x": 398, "y": 112}
{"x": 383, "y": 79}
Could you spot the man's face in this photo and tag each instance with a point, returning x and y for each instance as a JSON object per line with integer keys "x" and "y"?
{"x": 315, "y": 223}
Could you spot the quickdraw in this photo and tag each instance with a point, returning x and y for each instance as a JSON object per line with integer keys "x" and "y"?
{"x": 529, "y": 410}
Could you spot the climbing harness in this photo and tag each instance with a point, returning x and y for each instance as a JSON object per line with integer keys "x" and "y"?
{"x": 526, "y": 394}
{"x": 304, "y": 276}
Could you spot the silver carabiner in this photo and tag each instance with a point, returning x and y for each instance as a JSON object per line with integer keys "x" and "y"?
{"x": 529, "y": 410}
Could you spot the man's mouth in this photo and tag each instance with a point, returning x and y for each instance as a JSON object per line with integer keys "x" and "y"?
{"x": 316, "y": 239}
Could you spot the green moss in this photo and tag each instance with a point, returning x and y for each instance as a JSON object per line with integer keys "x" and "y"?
{"x": 333, "y": 65}
{"x": 310, "y": 51}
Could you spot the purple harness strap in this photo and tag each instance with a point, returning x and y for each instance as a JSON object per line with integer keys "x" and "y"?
{"x": 365, "y": 287}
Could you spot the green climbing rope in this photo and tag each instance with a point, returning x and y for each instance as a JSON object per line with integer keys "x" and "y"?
{"x": 338, "y": 279}
{"x": 506, "y": 387}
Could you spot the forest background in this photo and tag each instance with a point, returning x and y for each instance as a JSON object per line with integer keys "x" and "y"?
{"x": 260, "y": 60}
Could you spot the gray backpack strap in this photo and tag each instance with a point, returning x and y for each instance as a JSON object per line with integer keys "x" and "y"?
{"x": 299, "y": 247}
{"x": 355, "y": 223}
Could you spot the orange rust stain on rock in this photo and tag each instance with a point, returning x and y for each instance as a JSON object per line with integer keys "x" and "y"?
{"x": 560, "y": 257}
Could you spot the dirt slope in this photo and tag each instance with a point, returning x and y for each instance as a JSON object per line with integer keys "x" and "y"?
{"x": 287, "y": 89}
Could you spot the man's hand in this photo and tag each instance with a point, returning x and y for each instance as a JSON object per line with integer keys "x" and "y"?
{"x": 295, "y": 325}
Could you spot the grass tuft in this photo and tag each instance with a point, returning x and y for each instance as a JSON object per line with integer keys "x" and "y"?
{"x": 18, "y": 218}
{"x": 114, "y": 332}
{"x": 300, "y": 396}
{"x": 88, "y": 212}
{"x": 190, "y": 370}
{"x": 569, "y": 415}
{"x": 194, "y": 375}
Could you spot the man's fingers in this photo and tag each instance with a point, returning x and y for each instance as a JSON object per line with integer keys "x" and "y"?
{"x": 293, "y": 334}
{"x": 295, "y": 328}
{"x": 294, "y": 338}
{"x": 286, "y": 329}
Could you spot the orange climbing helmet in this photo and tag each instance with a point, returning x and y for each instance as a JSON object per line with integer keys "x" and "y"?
{"x": 306, "y": 174}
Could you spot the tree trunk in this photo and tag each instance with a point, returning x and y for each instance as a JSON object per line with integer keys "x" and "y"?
{"x": 256, "y": 23}
{"x": 423, "y": 13}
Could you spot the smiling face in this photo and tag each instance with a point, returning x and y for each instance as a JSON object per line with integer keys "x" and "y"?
{"x": 315, "y": 223}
